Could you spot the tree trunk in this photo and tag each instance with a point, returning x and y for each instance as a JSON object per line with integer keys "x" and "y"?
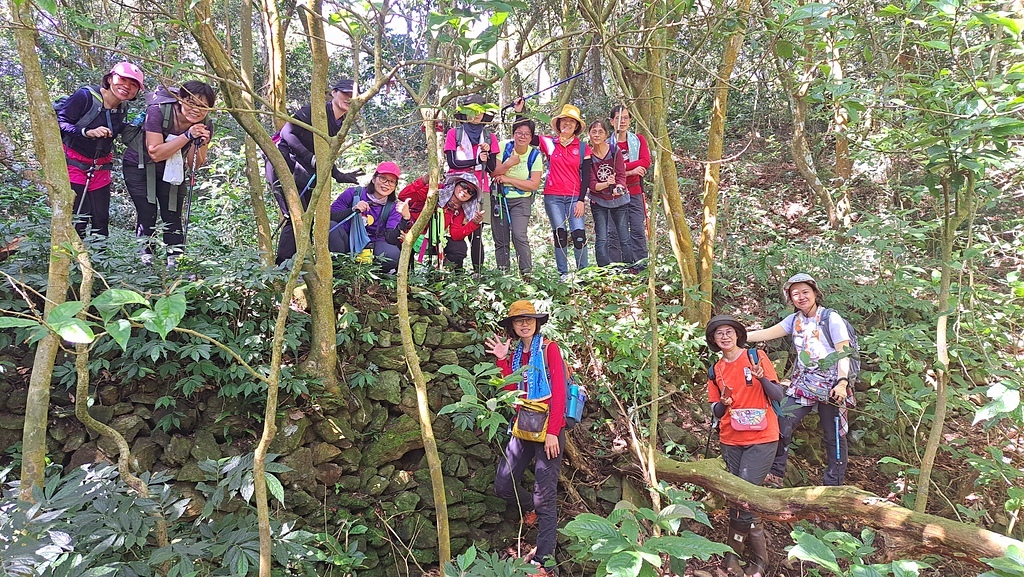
{"x": 323, "y": 354}
{"x": 840, "y": 121}
{"x": 955, "y": 212}
{"x": 712, "y": 170}
{"x": 917, "y": 531}
{"x": 651, "y": 468}
{"x": 253, "y": 166}
{"x": 274, "y": 28}
{"x": 49, "y": 152}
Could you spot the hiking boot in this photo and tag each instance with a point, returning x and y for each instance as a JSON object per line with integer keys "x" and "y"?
{"x": 758, "y": 549}
{"x": 737, "y": 540}
{"x": 530, "y": 518}
{"x": 773, "y": 481}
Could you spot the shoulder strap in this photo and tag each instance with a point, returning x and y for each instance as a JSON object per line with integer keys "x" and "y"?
{"x": 712, "y": 377}
{"x": 167, "y": 111}
{"x": 458, "y": 134}
{"x": 825, "y": 314}
{"x": 93, "y": 111}
{"x": 508, "y": 151}
{"x": 534, "y": 153}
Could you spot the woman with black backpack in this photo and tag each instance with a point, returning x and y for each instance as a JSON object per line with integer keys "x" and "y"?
{"x": 741, "y": 388}
{"x": 89, "y": 121}
{"x": 174, "y": 138}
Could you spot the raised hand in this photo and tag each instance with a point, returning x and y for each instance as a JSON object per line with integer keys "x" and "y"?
{"x": 497, "y": 346}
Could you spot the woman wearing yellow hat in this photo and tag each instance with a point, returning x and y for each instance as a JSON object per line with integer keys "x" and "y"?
{"x": 566, "y": 185}
{"x": 545, "y": 390}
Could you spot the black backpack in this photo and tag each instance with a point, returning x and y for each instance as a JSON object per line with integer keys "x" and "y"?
{"x": 92, "y": 113}
{"x": 134, "y": 136}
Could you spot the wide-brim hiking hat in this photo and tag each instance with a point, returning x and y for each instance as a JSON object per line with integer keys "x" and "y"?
{"x": 345, "y": 85}
{"x": 568, "y": 111}
{"x": 388, "y": 167}
{"x": 724, "y": 320}
{"x": 522, "y": 309}
{"x": 455, "y": 178}
{"x": 127, "y": 70}
{"x": 801, "y": 278}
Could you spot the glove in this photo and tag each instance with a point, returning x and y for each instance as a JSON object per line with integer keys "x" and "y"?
{"x": 346, "y": 177}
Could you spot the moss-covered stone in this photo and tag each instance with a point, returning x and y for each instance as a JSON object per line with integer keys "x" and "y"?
{"x": 494, "y": 504}
{"x": 145, "y": 453}
{"x": 349, "y": 483}
{"x": 351, "y": 501}
{"x": 190, "y": 472}
{"x": 301, "y": 502}
{"x": 443, "y": 357}
{"x": 123, "y": 409}
{"x": 177, "y": 451}
{"x": 350, "y": 458}
{"x": 289, "y": 435}
{"x": 406, "y": 501}
{"x": 324, "y": 453}
{"x": 391, "y": 358}
{"x": 453, "y": 340}
{"x": 419, "y": 333}
{"x": 459, "y": 529}
{"x": 378, "y": 420}
{"x": 455, "y": 466}
{"x": 12, "y": 422}
{"x": 205, "y": 446}
{"x": 375, "y": 485}
{"x": 482, "y": 453}
{"x": 433, "y": 339}
{"x": 400, "y": 481}
{"x": 401, "y": 436}
{"x": 303, "y": 473}
{"x": 386, "y": 387}
{"x": 336, "y": 431}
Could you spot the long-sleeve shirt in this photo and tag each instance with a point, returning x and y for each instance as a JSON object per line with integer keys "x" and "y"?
{"x": 564, "y": 162}
{"x": 297, "y": 143}
{"x": 612, "y": 164}
{"x": 379, "y": 229}
{"x": 416, "y": 193}
{"x": 456, "y": 224}
{"x": 556, "y": 377}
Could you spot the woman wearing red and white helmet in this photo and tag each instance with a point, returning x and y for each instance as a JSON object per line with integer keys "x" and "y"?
{"x": 817, "y": 332}
{"x": 89, "y": 121}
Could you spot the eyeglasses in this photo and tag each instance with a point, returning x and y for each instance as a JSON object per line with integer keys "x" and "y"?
{"x": 730, "y": 332}
{"x": 522, "y": 133}
{"x": 381, "y": 180}
{"x": 523, "y": 320}
{"x": 463, "y": 187}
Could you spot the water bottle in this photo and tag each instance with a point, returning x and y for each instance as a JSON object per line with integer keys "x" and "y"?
{"x": 572, "y": 402}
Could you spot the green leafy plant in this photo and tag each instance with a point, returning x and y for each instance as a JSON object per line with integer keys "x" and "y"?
{"x": 475, "y": 563}
{"x": 840, "y": 553}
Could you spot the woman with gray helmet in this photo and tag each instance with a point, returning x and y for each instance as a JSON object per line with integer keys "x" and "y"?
{"x": 741, "y": 386}
{"x": 817, "y": 332}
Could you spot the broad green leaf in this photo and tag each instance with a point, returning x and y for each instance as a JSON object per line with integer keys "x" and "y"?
{"x": 865, "y": 571}
{"x": 625, "y": 564}
{"x": 16, "y": 322}
{"x": 591, "y": 526}
{"x": 120, "y": 330}
{"x": 936, "y": 44}
{"x": 686, "y": 546}
{"x": 48, "y": 6}
{"x": 167, "y": 313}
{"x": 275, "y": 487}
{"x": 905, "y": 568}
{"x": 810, "y": 548}
{"x": 110, "y": 300}
{"x": 1005, "y": 403}
{"x": 74, "y": 331}
{"x": 891, "y": 10}
{"x": 63, "y": 312}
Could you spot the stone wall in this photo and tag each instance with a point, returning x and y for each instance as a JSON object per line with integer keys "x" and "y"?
{"x": 361, "y": 455}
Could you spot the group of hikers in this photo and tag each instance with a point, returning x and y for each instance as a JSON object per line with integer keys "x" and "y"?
{"x": 756, "y": 415}
{"x": 486, "y": 180}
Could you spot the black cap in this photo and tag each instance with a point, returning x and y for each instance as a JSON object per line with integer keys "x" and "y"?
{"x": 714, "y": 323}
{"x": 345, "y": 85}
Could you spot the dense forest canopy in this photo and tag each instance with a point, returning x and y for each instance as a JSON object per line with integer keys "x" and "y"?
{"x": 875, "y": 146}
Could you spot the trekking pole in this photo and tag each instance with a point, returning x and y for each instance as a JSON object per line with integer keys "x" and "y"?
{"x": 542, "y": 90}
{"x": 188, "y": 199}
{"x": 837, "y": 439}
{"x": 88, "y": 180}
{"x": 707, "y": 445}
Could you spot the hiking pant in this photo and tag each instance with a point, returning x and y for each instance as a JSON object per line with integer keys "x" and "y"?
{"x": 455, "y": 252}
{"x": 606, "y": 219}
{"x": 750, "y": 463}
{"x": 94, "y": 213}
{"x": 146, "y": 213}
{"x": 637, "y": 225}
{"x": 383, "y": 251}
{"x": 793, "y": 412}
{"x": 508, "y": 485}
{"x": 476, "y": 244}
{"x": 514, "y": 224}
{"x": 286, "y": 242}
{"x": 560, "y": 209}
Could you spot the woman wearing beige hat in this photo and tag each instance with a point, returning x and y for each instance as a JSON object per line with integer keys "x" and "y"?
{"x": 544, "y": 390}
{"x": 566, "y": 185}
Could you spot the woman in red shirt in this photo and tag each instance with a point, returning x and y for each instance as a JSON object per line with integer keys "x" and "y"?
{"x": 524, "y": 345}
{"x": 740, "y": 392}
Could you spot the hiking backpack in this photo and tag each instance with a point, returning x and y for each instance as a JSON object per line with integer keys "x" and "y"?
{"x": 94, "y": 111}
{"x": 575, "y": 395}
{"x": 134, "y": 137}
{"x": 854, "y": 357}
{"x": 754, "y": 359}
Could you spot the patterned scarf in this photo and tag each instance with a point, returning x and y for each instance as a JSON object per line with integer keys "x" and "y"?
{"x": 534, "y": 382}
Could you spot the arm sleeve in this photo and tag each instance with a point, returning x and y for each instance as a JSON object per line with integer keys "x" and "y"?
{"x": 416, "y": 193}
{"x": 770, "y": 381}
{"x": 73, "y": 110}
{"x": 341, "y": 208}
{"x": 492, "y": 158}
{"x": 394, "y": 234}
{"x": 584, "y": 181}
{"x": 715, "y": 398}
{"x": 458, "y": 228}
{"x": 556, "y": 376}
{"x": 449, "y": 156}
{"x": 300, "y": 140}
